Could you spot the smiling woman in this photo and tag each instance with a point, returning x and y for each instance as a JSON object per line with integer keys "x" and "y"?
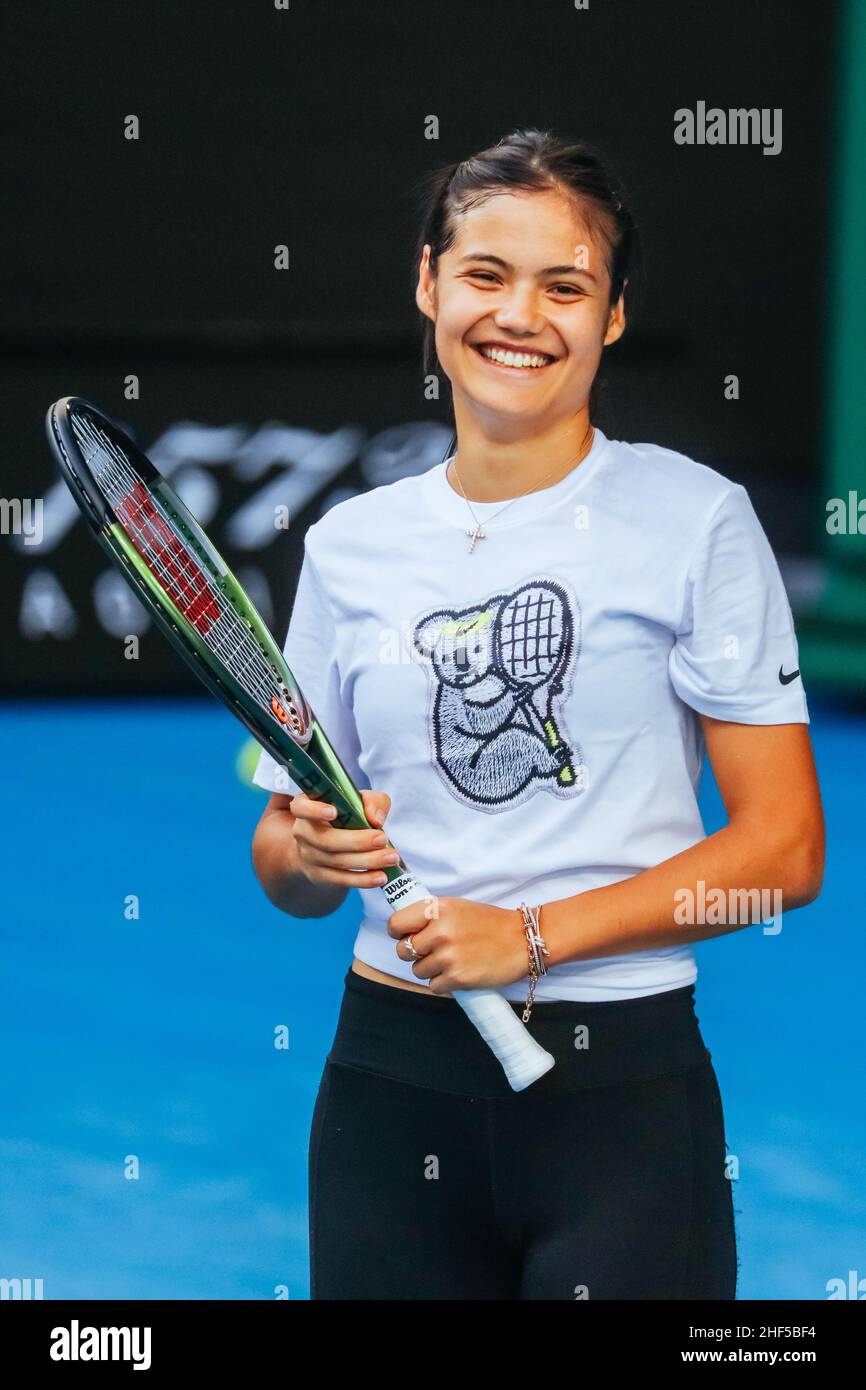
{"x": 587, "y": 619}
{"x": 529, "y": 261}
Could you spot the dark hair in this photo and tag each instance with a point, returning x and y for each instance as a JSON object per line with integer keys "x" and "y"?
{"x": 535, "y": 161}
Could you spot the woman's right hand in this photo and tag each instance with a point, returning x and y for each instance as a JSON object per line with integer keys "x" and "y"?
{"x": 350, "y": 858}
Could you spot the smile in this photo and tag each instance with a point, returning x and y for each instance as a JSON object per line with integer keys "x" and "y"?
{"x": 513, "y": 361}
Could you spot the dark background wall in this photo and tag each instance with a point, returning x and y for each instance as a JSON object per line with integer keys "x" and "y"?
{"x": 307, "y": 127}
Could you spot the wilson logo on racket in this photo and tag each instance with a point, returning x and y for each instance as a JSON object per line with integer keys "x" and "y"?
{"x": 165, "y": 557}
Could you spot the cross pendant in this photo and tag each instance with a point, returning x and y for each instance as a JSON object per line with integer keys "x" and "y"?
{"x": 476, "y": 535}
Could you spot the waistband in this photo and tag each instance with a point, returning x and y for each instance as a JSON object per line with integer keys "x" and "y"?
{"x": 426, "y": 1040}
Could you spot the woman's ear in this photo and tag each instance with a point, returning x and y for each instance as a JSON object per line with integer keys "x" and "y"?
{"x": 425, "y": 294}
{"x": 615, "y": 323}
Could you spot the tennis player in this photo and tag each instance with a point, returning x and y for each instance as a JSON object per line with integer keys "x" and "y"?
{"x": 524, "y": 654}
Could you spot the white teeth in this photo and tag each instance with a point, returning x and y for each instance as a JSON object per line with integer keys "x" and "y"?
{"x": 513, "y": 359}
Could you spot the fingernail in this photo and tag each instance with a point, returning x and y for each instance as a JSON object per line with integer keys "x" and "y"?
{"x": 331, "y": 812}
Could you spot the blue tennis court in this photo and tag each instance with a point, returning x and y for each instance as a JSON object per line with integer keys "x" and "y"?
{"x": 155, "y": 1124}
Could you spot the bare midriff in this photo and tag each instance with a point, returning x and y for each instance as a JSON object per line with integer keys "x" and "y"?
{"x": 371, "y": 973}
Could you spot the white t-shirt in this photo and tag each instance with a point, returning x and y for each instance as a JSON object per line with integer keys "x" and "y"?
{"x": 531, "y": 708}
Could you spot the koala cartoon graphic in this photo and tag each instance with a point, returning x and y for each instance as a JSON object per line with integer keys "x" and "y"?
{"x": 499, "y": 672}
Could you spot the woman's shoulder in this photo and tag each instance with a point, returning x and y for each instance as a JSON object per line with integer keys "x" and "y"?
{"x": 659, "y": 464}
{"x": 665, "y": 479}
{"x": 369, "y": 512}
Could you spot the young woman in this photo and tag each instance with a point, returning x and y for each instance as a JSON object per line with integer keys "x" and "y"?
{"x": 576, "y": 619}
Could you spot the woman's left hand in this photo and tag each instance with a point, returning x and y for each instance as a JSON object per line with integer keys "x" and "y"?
{"x": 462, "y": 944}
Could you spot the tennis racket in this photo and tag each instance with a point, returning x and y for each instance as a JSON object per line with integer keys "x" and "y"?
{"x": 531, "y": 643}
{"x": 197, "y": 603}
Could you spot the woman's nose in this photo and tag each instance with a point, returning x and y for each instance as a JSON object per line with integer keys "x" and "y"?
{"x": 519, "y": 313}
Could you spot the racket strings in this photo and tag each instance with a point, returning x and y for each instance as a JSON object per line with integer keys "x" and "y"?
{"x": 190, "y": 587}
{"x": 531, "y": 634}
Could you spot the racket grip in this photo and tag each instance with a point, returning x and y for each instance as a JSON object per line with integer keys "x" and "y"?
{"x": 522, "y": 1058}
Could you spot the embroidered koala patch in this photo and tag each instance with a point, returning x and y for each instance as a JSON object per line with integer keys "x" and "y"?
{"x": 499, "y": 673}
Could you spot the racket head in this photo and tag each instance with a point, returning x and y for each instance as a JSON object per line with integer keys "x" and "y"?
{"x": 190, "y": 592}
{"x": 532, "y": 634}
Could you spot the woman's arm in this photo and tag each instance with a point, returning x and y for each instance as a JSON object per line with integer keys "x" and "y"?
{"x": 774, "y": 840}
{"x": 277, "y": 867}
{"x": 306, "y": 865}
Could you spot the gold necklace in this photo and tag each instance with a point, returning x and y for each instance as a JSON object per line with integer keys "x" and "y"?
{"x": 477, "y": 534}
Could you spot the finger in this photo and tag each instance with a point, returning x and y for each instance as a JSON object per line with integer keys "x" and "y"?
{"x": 405, "y": 952}
{"x": 305, "y": 808}
{"x": 314, "y": 824}
{"x": 440, "y": 984}
{"x": 412, "y": 918}
{"x": 319, "y": 853}
{"x": 333, "y": 841}
{"x": 371, "y": 878}
{"x": 411, "y": 955}
{"x": 376, "y": 806}
{"x": 426, "y": 968}
{"x": 424, "y": 942}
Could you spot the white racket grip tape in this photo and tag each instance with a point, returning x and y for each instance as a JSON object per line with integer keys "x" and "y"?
{"x": 523, "y": 1059}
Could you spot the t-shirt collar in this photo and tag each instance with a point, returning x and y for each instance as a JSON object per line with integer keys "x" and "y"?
{"x": 440, "y": 496}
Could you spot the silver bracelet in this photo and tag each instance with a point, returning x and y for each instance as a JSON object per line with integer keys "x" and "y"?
{"x": 537, "y": 950}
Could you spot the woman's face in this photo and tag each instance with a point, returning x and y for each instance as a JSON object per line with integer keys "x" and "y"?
{"x": 523, "y": 276}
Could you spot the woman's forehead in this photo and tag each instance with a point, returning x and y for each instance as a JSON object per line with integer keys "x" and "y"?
{"x": 540, "y": 224}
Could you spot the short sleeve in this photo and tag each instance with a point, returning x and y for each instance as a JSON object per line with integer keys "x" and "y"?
{"x": 311, "y": 652}
{"x": 735, "y": 650}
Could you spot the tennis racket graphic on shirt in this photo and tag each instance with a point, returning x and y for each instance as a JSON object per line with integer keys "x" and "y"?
{"x": 525, "y": 639}
{"x": 532, "y": 639}
{"x": 197, "y": 603}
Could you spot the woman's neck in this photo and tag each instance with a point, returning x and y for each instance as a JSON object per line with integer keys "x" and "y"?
{"x": 484, "y": 474}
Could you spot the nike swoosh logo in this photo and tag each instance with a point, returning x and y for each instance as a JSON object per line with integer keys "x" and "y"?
{"x": 786, "y": 680}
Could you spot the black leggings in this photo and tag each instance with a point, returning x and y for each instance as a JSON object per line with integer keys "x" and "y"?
{"x": 431, "y": 1179}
